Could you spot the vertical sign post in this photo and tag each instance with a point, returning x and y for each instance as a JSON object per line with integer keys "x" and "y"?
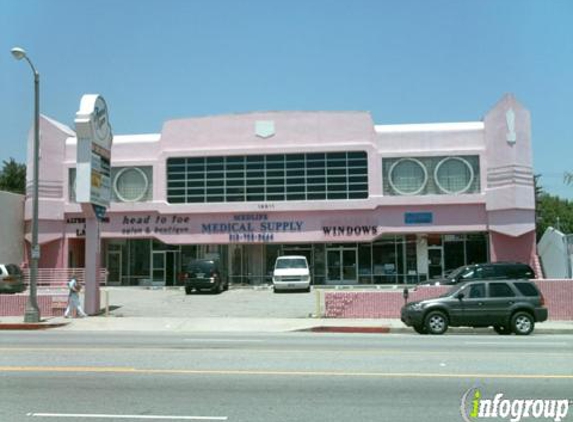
{"x": 93, "y": 185}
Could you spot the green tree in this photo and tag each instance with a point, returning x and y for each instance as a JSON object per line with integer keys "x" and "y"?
{"x": 13, "y": 177}
{"x": 555, "y": 212}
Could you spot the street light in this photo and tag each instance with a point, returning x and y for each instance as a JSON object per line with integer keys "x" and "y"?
{"x": 32, "y": 311}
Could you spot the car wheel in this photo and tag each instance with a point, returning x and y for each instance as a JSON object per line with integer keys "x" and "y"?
{"x": 307, "y": 289}
{"x": 522, "y": 323}
{"x": 436, "y": 322}
{"x": 502, "y": 330}
{"x": 188, "y": 290}
{"x": 420, "y": 329}
{"x": 275, "y": 290}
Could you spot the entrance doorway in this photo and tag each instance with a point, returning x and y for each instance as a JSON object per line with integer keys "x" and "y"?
{"x": 341, "y": 265}
{"x": 435, "y": 261}
{"x": 255, "y": 262}
{"x": 114, "y": 261}
{"x": 164, "y": 265}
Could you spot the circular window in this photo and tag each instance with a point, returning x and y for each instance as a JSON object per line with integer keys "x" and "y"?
{"x": 130, "y": 184}
{"x": 454, "y": 175}
{"x": 408, "y": 176}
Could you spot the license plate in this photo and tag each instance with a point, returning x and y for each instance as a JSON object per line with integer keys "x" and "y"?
{"x": 291, "y": 285}
{"x": 200, "y": 275}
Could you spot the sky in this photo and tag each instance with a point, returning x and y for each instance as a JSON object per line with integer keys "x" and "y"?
{"x": 404, "y": 61}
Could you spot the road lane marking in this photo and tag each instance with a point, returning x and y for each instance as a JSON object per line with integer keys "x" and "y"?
{"x": 179, "y": 349}
{"x": 499, "y": 343}
{"x": 128, "y": 370}
{"x": 222, "y": 340}
{"x": 106, "y": 416}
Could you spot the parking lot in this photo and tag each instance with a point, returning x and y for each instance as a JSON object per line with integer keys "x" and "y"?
{"x": 236, "y": 302}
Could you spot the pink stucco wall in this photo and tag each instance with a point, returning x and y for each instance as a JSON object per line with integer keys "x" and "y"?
{"x": 558, "y": 295}
{"x": 507, "y": 248}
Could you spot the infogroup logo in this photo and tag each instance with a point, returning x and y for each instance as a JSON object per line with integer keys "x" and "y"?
{"x": 474, "y": 407}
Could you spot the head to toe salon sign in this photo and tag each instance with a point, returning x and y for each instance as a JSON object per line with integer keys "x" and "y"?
{"x": 93, "y": 169}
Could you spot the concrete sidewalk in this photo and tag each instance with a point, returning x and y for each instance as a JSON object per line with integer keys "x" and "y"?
{"x": 245, "y": 325}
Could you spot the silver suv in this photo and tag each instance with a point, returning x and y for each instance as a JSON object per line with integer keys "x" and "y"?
{"x": 507, "y": 305}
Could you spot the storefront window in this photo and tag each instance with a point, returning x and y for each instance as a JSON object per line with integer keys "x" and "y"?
{"x": 319, "y": 267}
{"x": 454, "y": 252}
{"x": 236, "y": 274}
{"x": 365, "y": 263}
{"x": 271, "y": 254}
{"x": 477, "y": 248}
{"x": 384, "y": 259}
{"x": 389, "y": 260}
{"x": 411, "y": 260}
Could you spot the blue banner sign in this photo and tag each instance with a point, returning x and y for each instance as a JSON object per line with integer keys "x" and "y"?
{"x": 418, "y": 218}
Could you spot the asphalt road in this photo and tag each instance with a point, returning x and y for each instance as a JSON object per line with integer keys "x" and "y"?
{"x": 65, "y": 376}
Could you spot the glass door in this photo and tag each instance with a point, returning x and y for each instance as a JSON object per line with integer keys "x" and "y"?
{"x": 333, "y": 275}
{"x": 158, "y": 268}
{"x": 114, "y": 268}
{"x": 341, "y": 265}
{"x": 255, "y": 258}
{"x": 349, "y": 267}
{"x": 171, "y": 268}
{"x": 435, "y": 261}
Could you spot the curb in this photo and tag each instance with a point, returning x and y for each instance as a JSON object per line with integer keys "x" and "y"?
{"x": 363, "y": 330}
{"x": 409, "y": 330}
{"x": 31, "y": 325}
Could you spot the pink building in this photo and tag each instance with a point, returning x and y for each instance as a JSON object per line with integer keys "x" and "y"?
{"x": 365, "y": 203}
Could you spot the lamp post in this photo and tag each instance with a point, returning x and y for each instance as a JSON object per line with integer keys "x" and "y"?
{"x": 32, "y": 313}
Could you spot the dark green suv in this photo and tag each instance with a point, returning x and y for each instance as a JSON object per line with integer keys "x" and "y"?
{"x": 507, "y": 305}
{"x": 205, "y": 274}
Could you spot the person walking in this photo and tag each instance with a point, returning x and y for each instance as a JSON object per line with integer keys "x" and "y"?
{"x": 74, "y": 298}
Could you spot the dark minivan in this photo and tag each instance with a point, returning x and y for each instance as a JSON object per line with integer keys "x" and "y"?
{"x": 205, "y": 274}
{"x": 507, "y": 305}
{"x": 485, "y": 271}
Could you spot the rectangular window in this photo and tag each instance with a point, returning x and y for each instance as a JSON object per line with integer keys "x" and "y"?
{"x": 274, "y": 177}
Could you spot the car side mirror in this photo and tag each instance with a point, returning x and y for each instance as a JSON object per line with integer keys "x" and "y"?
{"x": 460, "y": 296}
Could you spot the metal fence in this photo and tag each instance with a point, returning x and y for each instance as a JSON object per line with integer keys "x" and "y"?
{"x": 55, "y": 278}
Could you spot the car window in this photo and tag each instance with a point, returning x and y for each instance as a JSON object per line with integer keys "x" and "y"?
{"x": 476, "y": 291}
{"x": 291, "y": 263}
{"x": 470, "y": 274}
{"x": 457, "y": 272}
{"x": 500, "y": 290}
{"x": 527, "y": 289}
{"x": 522, "y": 271}
{"x": 13, "y": 269}
{"x": 200, "y": 267}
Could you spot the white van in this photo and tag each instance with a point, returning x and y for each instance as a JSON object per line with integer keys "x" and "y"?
{"x": 291, "y": 273}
